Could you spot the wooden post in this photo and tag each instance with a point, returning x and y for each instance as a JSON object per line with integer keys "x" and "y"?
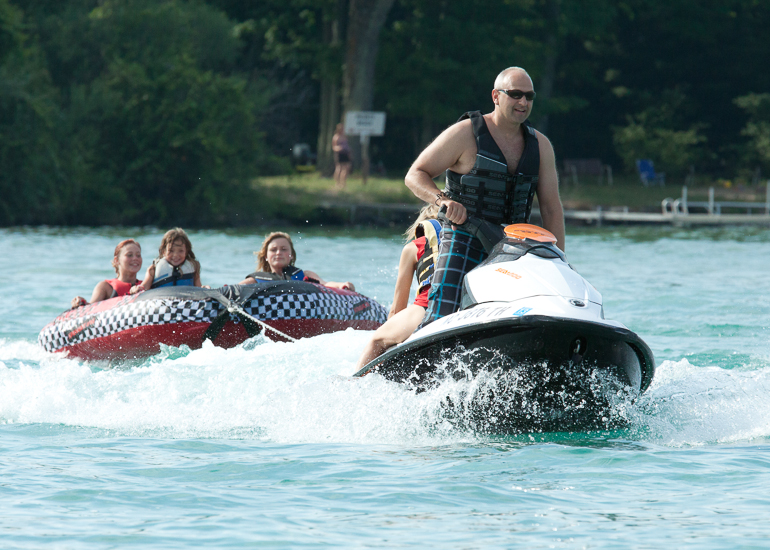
{"x": 684, "y": 200}
{"x": 767, "y": 199}
{"x": 574, "y": 175}
{"x": 365, "y": 157}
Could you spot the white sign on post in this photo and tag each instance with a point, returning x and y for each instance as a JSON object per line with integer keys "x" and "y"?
{"x": 365, "y": 123}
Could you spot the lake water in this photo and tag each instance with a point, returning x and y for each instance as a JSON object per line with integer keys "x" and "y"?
{"x": 274, "y": 445}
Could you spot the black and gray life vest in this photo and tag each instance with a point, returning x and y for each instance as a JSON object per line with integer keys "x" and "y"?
{"x": 431, "y": 230}
{"x": 169, "y": 275}
{"x": 489, "y": 191}
{"x": 290, "y": 273}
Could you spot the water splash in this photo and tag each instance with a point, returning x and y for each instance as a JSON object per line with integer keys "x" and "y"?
{"x": 303, "y": 392}
{"x": 689, "y": 405}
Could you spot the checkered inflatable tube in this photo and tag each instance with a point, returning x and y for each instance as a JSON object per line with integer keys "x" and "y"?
{"x": 125, "y": 326}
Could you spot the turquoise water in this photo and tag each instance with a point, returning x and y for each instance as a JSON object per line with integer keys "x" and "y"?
{"x": 274, "y": 445}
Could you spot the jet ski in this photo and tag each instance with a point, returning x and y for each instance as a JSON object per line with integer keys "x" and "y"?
{"x": 532, "y": 338}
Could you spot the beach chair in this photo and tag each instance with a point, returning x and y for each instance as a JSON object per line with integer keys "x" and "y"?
{"x": 647, "y": 173}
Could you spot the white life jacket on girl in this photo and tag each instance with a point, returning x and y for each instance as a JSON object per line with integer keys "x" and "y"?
{"x": 169, "y": 275}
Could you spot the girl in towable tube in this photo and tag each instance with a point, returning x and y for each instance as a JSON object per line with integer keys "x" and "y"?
{"x": 127, "y": 262}
{"x": 275, "y": 262}
{"x": 175, "y": 265}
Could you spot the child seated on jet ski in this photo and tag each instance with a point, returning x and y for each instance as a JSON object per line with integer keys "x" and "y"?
{"x": 175, "y": 265}
{"x": 275, "y": 262}
{"x": 417, "y": 258}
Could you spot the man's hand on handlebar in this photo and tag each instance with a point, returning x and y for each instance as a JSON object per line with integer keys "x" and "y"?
{"x": 455, "y": 212}
{"x": 487, "y": 232}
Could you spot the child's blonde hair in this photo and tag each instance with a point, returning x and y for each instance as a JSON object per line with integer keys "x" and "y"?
{"x": 262, "y": 263}
{"x": 427, "y": 212}
{"x": 178, "y": 234}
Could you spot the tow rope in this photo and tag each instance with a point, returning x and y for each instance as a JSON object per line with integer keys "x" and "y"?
{"x": 252, "y": 325}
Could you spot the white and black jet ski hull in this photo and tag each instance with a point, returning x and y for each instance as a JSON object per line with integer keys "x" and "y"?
{"x": 562, "y": 343}
{"x": 549, "y": 374}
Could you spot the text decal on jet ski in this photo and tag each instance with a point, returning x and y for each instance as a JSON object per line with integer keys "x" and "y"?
{"x": 509, "y": 273}
{"x": 482, "y": 312}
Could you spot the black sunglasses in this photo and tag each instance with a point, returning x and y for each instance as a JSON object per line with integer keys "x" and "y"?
{"x": 518, "y": 94}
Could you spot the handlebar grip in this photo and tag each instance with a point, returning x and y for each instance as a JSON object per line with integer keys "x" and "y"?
{"x": 488, "y": 233}
{"x": 441, "y": 216}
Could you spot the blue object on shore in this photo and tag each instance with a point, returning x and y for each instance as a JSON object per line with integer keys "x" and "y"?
{"x": 647, "y": 173}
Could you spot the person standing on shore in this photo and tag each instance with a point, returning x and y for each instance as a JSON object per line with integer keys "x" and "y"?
{"x": 495, "y": 164}
{"x": 341, "y": 150}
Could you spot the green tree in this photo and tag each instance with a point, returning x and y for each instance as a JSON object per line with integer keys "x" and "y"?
{"x": 711, "y": 53}
{"x": 659, "y": 133}
{"x": 298, "y": 45}
{"x": 334, "y": 42}
{"x": 168, "y": 148}
{"x": 440, "y": 58}
{"x": 158, "y": 126}
{"x": 30, "y": 169}
{"x": 757, "y": 129}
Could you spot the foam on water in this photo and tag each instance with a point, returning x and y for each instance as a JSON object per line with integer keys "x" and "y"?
{"x": 13, "y": 351}
{"x": 296, "y": 392}
{"x": 701, "y": 405}
{"x": 302, "y": 392}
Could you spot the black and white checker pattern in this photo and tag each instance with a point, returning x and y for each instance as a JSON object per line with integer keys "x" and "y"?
{"x": 82, "y": 325}
{"x": 316, "y": 305}
{"x": 67, "y": 330}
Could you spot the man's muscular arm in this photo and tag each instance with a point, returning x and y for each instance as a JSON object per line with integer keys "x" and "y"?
{"x": 548, "y": 192}
{"x": 444, "y": 153}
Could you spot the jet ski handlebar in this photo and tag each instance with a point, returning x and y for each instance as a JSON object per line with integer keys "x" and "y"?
{"x": 488, "y": 233}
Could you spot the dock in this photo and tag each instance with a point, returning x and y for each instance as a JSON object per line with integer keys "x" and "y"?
{"x": 679, "y": 212}
{"x": 601, "y": 217}
{"x": 682, "y": 212}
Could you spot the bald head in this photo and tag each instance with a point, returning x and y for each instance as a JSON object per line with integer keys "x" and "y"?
{"x": 505, "y": 79}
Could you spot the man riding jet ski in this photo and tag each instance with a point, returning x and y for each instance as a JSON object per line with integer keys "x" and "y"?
{"x": 525, "y": 312}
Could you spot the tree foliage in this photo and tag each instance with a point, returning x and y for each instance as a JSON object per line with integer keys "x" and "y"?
{"x": 164, "y": 111}
{"x": 757, "y": 128}
{"x": 153, "y": 125}
{"x": 30, "y": 156}
{"x": 660, "y": 133}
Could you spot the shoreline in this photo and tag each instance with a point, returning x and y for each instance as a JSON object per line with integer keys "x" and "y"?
{"x": 377, "y": 216}
{"x": 386, "y": 202}
{"x": 390, "y": 215}
{"x": 308, "y": 200}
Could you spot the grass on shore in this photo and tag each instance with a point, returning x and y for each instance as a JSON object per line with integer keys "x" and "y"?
{"x": 297, "y": 188}
{"x": 307, "y": 190}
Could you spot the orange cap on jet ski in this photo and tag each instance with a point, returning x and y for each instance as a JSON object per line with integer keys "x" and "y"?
{"x": 526, "y": 231}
